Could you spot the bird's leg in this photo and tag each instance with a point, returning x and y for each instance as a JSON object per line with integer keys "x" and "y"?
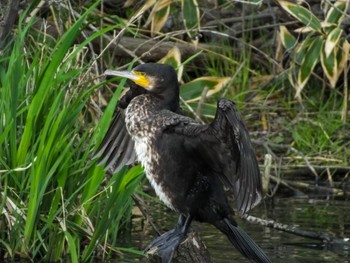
{"x": 164, "y": 237}
{"x": 166, "y": 245}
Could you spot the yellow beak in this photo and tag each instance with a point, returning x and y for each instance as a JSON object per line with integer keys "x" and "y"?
{"x": 136, "y": 76}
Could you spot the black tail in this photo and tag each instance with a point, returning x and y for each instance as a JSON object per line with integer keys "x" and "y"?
{"x": 242, "y": 242}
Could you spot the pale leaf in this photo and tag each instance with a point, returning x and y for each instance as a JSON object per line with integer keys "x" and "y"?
{"x": 173, "y": 58}
{"x": 287, "y": 39}
{"x": 302, "y": 14}
{"x": 191, "y": 16}
{"x": 329, "y": 66}
{"x": 332, "y": 40}
{"x": 304, "y": 29}
{"x": 309, "y": 62}
{"x": 147, "y": 5}
{"x": 336, "y": 13}
{"x": 192, "y": 91}
{"x": 333, "y": 65}
{"x": 159, "y": 19}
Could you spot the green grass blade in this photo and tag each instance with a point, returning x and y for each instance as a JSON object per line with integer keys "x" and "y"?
{"x": 72, "y": 247}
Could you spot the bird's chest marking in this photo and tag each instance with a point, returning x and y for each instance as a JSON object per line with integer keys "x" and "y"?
{"x": 149, "y": 159}
{"x": 143, "y": 132}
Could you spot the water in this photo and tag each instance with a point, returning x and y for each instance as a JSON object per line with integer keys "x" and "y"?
{"x": 313, "y": 214}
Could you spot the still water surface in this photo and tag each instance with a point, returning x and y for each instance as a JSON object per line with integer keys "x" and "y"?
{"x": 319, "y": 215}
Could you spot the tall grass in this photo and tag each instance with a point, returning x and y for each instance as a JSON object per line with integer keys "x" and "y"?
{"x": 53, "y": 196}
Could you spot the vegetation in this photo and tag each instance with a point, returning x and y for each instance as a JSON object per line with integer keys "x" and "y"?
{"x": 53, "y": 196}
{"x": 56, "y": 202}
{"x": 324, "y": 42}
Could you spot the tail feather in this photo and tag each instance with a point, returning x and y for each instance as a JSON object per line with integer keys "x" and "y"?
{"x": 242, "y": 242}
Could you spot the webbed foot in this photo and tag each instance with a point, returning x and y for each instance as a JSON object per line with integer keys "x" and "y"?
{"x": 159, "y": 241}
{"x": 166, "y": 245}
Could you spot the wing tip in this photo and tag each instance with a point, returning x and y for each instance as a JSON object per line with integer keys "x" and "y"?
{"x": 225, "y": 104}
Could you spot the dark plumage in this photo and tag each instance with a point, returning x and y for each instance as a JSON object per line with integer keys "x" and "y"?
{"x": 189, "y": 164}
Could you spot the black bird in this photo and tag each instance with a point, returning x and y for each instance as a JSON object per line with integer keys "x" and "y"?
{"x": 191, "y": 166}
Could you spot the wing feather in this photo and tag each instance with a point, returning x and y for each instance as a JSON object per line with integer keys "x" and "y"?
{"x": 225, "y": 145}
{"x": 117, "y": 147}
{"x": 247, "y": 187}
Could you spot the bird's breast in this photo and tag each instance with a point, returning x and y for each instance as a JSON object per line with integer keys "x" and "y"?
{"x": 150, "y": 160}
{"x": 143, "y": 130}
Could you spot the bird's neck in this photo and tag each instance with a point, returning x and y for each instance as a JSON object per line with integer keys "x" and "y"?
{"x": 172, "y": 105}
{"x": 170, "y": 100}
{"x": 159, "y": 102}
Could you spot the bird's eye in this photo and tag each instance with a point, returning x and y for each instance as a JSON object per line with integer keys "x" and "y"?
{"x": 140, "y": 73}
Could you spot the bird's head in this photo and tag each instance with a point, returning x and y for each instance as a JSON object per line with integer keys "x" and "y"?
{"x": 155, "y": 78}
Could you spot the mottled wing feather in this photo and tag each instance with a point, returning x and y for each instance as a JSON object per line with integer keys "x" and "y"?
{"x": 117, "y": 147}
{"x": 224, "y": 144}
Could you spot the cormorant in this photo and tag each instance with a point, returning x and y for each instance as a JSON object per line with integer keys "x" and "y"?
{"x": 191, "y": 166}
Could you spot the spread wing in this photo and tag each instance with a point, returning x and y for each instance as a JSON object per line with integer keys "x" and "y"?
{"x": 117, "y": 147}
{"x": 224, "y": 144}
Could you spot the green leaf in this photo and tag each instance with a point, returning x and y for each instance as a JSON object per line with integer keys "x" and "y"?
{"x": 327, "y": 27}
{"x": 333, "y": 65}
{"x": 7, "y": 247}
{"x": 288, "y": 40}
{"x": 4, "y": 132}
{"x": 47, "y": 80}
{"x": 190, "y": 12}
{"x": 206, "y": 109}
{"x": 292, "y": 72}
{"x": 302, "y": 14}
{"x": 72, "y": 247}
{"x": 336, "y": 13}
{"x": 329, "y": 65}
{"x": 301, "y": 49}
{"x": 343, "y": 56}
{"x": 332, "y": 40}
{"x": 121, "y": 188}
{"x": 311, "y": 58}
{"x": 107, "y": 116}
{"x": 192, "y": 91}
{"x": 173, "y": 58}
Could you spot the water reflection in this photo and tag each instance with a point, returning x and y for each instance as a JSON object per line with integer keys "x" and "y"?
{"x": 329, "y": 216}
